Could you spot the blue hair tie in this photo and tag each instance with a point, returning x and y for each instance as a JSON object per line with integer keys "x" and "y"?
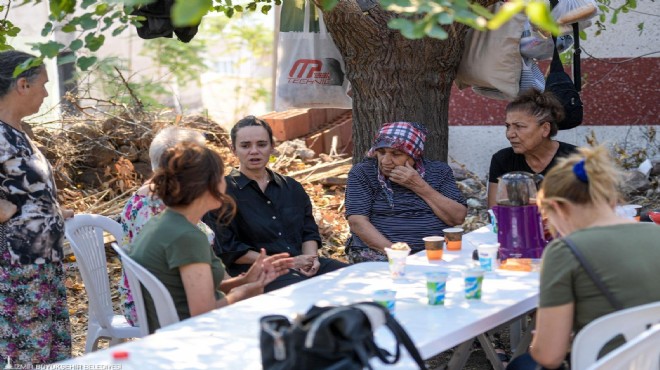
{"x": 580, "y": 172}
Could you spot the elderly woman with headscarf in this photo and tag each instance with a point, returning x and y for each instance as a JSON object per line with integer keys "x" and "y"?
{"x": 396, "y": 195}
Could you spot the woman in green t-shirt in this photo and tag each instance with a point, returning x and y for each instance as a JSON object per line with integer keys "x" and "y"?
{"x": 190, "y": 182}
{"x": 579, "y": 196}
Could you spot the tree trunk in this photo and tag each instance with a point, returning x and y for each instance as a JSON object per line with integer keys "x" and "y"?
{"x": 394, "y": 78}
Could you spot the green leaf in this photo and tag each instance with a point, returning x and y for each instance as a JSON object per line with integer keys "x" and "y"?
{"x": 61, "y": 8}
{"x": 68, "y": 28}
{"x": 27, "y": 64}
{"x": 86, "y": 3}
{"x": 482, "y": 11}
{"x": 229, "y": 12}
{"x": 93, "y": 43}
{"x": 119, "y": 30}
{"x": 87, "y": 22}
{"x": 640, "y": 28}
{"x": 47, "y": 28}
{"x": 444, "y": 18}
{"x": 437, "y": 32}
{"x": 13, "y": 31}
{"x": 251, "y": 6}
{"x": 539, "y": 14}
{"x": 102, "y": 9}
{"x": 265, "y": 9}
{"x": 506, "y": 12}
{"x": 66, "y": 59}
{"x": 238, "y": 8}
{"x": 189, "y": 12}
{"x": 328, "y": 5}
{"x": 85, "y": 62}
{"x": 406, "y": 27}
{"x": 50, "y": 49}
{"x": 75, "y": 45}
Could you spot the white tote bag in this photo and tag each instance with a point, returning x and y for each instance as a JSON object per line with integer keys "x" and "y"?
{"x": 310, "y": 70}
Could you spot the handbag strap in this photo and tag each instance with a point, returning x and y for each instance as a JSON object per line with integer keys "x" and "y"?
{"x": 555, "y": 65}
{"x": 403, "y": 338}
{"x": 577, "y": 77}
{"x": 592, "y": 274}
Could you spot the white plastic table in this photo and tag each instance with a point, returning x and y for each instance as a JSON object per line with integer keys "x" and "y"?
{"x": 228, "y": 338}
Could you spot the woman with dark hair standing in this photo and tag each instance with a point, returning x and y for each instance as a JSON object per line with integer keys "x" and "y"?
{"x": 531, "y": 124}
{"x": 190, "y": 182}
{"x": 34, "y": 317}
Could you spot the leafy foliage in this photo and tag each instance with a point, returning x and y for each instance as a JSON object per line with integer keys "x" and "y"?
{"x": 90, "y": 20}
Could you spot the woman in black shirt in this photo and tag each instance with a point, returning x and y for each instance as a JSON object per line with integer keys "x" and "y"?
{"x": 531, "y": 124}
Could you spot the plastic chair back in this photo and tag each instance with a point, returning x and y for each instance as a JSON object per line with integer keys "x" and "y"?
{"x": 642, "y": 352}
{"x": 138, "y": 276}
{"x": 85, "y": 235}
{"x": 629, "y": 323}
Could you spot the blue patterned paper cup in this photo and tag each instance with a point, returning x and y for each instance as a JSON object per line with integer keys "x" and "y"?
{"x": 386, "y": 298}
{"x": 436, "y": 287}
{"x": 488, "y": 256}
{"x": 473, "y": 281}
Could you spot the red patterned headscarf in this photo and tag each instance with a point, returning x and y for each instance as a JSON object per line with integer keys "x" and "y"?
{"x": 408, "y": 137}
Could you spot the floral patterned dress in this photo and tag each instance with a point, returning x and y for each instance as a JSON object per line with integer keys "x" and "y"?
{"x": 34, "y": 318}
{"x": 138, "y": 210}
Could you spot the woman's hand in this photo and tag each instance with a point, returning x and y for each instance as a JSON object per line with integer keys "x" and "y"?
{"x": 406, "y": 176}
{"x": 272, "y": 266}
{"x": 304, "y": 261}
{"x": 313, "y": 269}
{"x": 7, "y": 210}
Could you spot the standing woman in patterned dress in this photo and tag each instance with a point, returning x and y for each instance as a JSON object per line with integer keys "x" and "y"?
{"x": 34, "y": 318}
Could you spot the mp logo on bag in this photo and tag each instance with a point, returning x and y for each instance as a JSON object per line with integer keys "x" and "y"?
{"x": 310, "y": 71}
{"x": 313, "y": 71}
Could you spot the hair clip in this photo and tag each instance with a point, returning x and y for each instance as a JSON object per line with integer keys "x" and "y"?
{"x": 580, "y": 172}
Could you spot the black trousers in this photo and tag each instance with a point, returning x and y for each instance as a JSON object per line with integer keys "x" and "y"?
{"x": 327, "y": 265}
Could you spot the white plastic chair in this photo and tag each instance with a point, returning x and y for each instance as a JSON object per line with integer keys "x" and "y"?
{"x": 629, "y": 323}
{"x": 642, "y": 352}
{"x": 85, "y": 235}
{"x": 139, "y": 276}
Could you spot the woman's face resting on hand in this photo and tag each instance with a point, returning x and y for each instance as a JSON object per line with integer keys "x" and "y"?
{"x": 389, "y": 159}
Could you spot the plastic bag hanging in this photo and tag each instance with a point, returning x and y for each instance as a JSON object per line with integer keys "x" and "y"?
{"x": 533, "y": 44}
{"x": 574, "y": 11}
{"x": 310, "y": 70}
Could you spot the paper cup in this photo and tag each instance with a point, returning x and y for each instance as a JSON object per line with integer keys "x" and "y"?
{"x": 386, "y": 298}
{"x": 473, "y": 281}
{"x": 436, "y": 287}
{"x": 488, "y": 256}
{"x": 634, "y": 210}
{"x": 434, "y": 246}
{"x": 453, "y": 237}
{"x": 397, "y": 260}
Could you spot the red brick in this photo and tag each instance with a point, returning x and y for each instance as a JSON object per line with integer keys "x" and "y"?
{"x": 317, "y": 117}
{"x": 333, "y": 113}
{"x": 290, "y": 124}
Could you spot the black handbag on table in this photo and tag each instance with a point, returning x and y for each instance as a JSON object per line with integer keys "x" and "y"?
{"x": 331, "y": 338}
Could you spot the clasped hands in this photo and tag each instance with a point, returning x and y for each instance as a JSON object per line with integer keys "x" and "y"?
{"x": 307, "y": 264}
